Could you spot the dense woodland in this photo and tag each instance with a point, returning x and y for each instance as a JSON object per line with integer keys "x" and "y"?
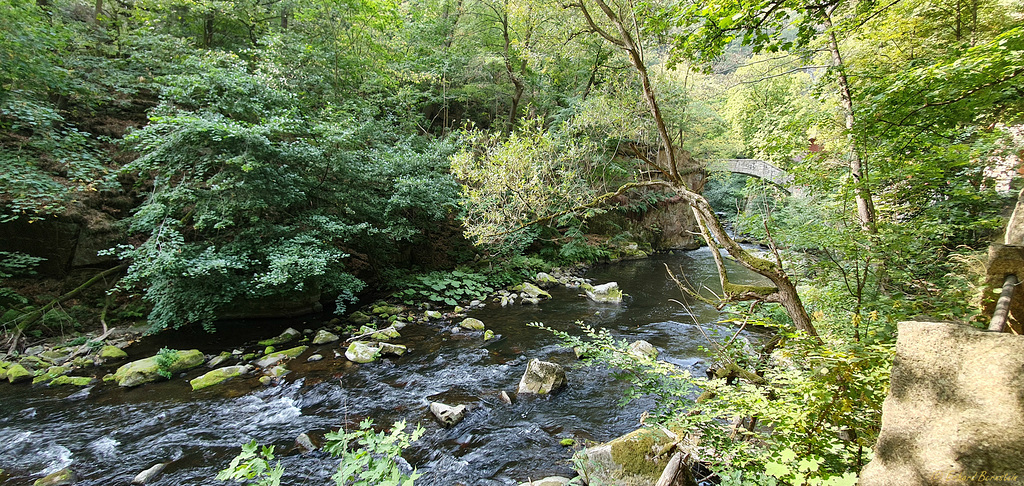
{"x": 266, "y": 148}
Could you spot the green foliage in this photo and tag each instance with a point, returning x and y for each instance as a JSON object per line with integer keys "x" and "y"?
{"x": 252, "y": 466}
{"x": 165, "y": 358}
{"x": 449, "y": 288}
{"x": 253, "y": 199}
{"x": 811, "y": 399}
{"x": 368, "y": 457}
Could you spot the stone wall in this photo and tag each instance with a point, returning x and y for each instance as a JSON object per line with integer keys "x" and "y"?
{"x": 955, "y": 410}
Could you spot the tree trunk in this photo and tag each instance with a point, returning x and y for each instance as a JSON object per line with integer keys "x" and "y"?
{"x": 784, "y": 291}
{"x": 862, "y": 193}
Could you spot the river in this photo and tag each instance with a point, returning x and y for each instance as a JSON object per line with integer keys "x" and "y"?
{"x": 108, "y": 435}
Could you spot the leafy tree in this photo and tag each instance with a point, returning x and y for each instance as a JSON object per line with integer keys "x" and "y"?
{"x": 251, "y": 199}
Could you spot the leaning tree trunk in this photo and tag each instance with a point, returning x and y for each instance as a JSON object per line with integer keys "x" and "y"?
{"x": 784, "y": 291}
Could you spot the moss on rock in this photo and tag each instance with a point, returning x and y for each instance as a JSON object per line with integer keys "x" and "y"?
{"x": 217, "y": 377}
{"x": 146, "y": 370}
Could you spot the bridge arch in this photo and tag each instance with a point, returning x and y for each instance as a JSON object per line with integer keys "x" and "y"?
{"x": 757, "y": 168}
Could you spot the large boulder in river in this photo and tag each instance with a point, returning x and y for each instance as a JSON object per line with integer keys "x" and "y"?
{"x": 542, "y": 377}
{"x": 148, "y": 369}
{"x": 608, "y": 293}
{"x": 638, "y": 457}
{"x": 217, "y": 376}
{"x": 955, "y": 409}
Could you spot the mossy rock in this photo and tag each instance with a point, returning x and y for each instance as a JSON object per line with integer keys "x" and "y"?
{"x": 64, "y": 477}
{"x": 472, "y": 324}
{"x": 56, "y": 356}
{"x": 532, "y": 290}
{"x": 147, "y": 370}
{"x": 71, "y": 380}
{"x": 392, "y": 349}
{"x": 360, "y": 317}
{"x": 83, "y": 362}
{"x": 488, "y": 335}
{"x": 433, "y": 314}
{"x": 384, "y": 309}
{"x": 285, "y": 337}
{"x": 110, "y": 353}
{"x": 48, "y": 375}
{"x": 17, "y": 373}
{"x": 385, "y": 334}
{"x": 279, "y": 356}
{"x": 640, "y": 455}
{"x": 217, "y": 377}
{"x": 362, "y": 352}
{"x": 324, "y": 337}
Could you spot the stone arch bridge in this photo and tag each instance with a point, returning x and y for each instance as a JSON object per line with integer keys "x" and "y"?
{"x": 756, "y": 168}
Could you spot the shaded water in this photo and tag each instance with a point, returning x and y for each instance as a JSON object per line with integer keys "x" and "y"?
{"x": 107, "y": 434}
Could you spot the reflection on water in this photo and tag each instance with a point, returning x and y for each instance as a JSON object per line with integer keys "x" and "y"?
{"x": 107, "y": 435}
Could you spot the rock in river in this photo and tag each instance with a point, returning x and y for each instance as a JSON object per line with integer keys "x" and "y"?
{"x": 64, "y": 477}
{"x": 324, "y": 336}
{"x": 473, "y": 324}
{"x": 17, "y": 373}
{"x": 287, "y": 336}
{"x": 608, "y": 293}
{"x": 217, "y": 376}
{"x": 148, "y": 369}
{"x": 110, "y": 353}
{"x": 447, "y": 414}
{"x": 147, "y": 476}
{"x": 362, "y": 352}
{"x": 275, "y": 358}
{"x": 542, "y": 377}
{"x": 643, "y": 349}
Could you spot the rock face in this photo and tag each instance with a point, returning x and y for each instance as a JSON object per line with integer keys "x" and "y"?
{"x": 955, "y": 410}
{"x": 542, "y": 377}
{"x": 608, "y": 293}
{"x": 217, "y": 376}
{"x": 147, "y": 370}
{"x": 447, "y": 414}
{"x": 633, "y": 459}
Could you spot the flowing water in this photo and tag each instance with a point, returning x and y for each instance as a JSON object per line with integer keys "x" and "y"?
{"x": 108, "y": 435}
